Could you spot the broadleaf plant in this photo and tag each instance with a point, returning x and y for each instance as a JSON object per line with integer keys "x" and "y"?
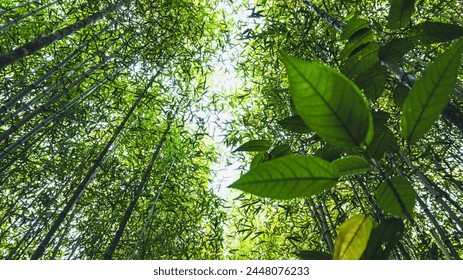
{"x": 329, "y": 103}
{"x": 254, "y": 145}
{"x": 400, "y": 13}
{"x": 352, "y": 238}
{"x": 397, "y": 197}
{"x": 351, "y": 165}
{"x": 430, "y": 94}
{"x": 289, "y": 177}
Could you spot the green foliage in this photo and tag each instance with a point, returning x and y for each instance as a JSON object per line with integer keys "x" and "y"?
{"x": 254, "y": 145}
{"x": 434, "y": 32}
{"x": 397, "y": 196}
{"x": 430, "y": 94}
{"x": 352, "y": 238}
{"x": 289, "y": 177}
{"x": 400, "y": 13}
{"x": 319, "y": 94}
{"x": 395, "y": 49}
{"x": 294, "y": 124}
{"x": 351, "y": 165}
{"x": 383, "y": 239}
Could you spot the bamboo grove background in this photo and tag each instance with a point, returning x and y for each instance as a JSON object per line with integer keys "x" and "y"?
{"x": 105, "y": 154}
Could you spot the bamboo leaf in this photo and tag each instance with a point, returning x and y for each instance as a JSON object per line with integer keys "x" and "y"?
{"x": 294, "y": 124}
{"x": 430, "y": 94}
{"x": 289, "y": 177}
{"x": 329, "y": 103}
{"x": 352, "y": 238}
{"x": 254, "y": 145}
{"x": 400, "y": 13}
{"x": 435, "y": 32}
{"x": 397, "y": 197}
{"x": 351, "y": 165}
{"x": 383, "y": 239}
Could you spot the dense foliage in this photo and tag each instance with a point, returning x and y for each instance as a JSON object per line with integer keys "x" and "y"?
{"x": 348, "y": 128}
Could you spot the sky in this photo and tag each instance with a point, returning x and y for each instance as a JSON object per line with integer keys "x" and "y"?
{"x": 225, "y": 82}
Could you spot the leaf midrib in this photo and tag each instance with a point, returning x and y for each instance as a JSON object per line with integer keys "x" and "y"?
{"x": 324, "y": 100}
{"x": 427, "y": 99}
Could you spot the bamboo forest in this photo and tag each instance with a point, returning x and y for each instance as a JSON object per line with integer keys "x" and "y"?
{"x": 231, "y": 130}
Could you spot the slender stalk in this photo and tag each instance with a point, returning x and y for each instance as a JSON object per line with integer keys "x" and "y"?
{"x": 128, "y": 213}
{"x": 90, "y": 175}
{"x": 42, "y": 42}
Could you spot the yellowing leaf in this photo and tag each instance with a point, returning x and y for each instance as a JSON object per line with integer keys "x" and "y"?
{"x": 352, "y": 238}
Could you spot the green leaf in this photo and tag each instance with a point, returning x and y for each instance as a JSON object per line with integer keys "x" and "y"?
{"x": 373, "y": 81}
{"x": 394, "y": 50}
{"x": 313, "y": 255}
{"x": 294, "y": 124}
{"x": 254, "y": 145}
{"x": 354, "y": 25}
{"x": 361, "y": 62}
{"x": 352, "y": 238}
{"x": 258, "y": 159}
{"x": 397, "y": 197}
{"x": 400, "y": 13}
{"x": 400, "y": 93}
{"x": 279, "y": 151}
{"x": 430, "y": 94}
{"x": 360, "y": 38}
{"x": 289, "y": 177}
{"x": 351, "y": 165}
{"x": 328, "y": 152}
{"x": 383, "y": 141}
{"x": 435, "y": 32}
{"x": 383, "y": 239}
{"x": 329, "y": 103}
{"x": 380, "y": 118}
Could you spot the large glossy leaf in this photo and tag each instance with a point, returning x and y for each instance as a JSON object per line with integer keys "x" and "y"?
{"x": 430, "y": 94}
{"x": 329, "y": 103}
{"x": 254, "y": 145}
{"x": 400, "y": 13}
{"x": 352, "y": 238}
{"x": 289, "y": 177}
{"x": 435, "y": 32}
{"x": 383, "y": 239}
{"x": 351, "y": 165}
{"x": 294, "y": 124}
{"x": 397, "y": 197}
